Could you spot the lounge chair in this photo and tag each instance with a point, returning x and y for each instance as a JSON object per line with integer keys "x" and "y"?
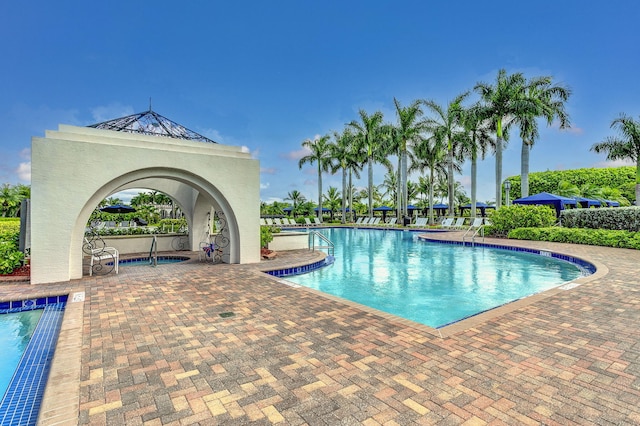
{"x": 477, "y": 223}
{"x": 317, "y": 221}
{"x": 459, "y": 224}
{"x": 447, "y": 223}
{"x": 293, "y": 222}
{"x": 375, "y": 221}
{"x": 392, "y": 221}
{"x": 421, "y": 222}
{"x": 276, "y": 221}
{"x": 262, "y": 222}
{"x": 359, "y": 221}
{"x": 307, "y": 221}
{"x": 269, "y": 221}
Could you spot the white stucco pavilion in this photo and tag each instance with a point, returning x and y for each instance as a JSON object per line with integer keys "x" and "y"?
{"x": 74, "y": 168}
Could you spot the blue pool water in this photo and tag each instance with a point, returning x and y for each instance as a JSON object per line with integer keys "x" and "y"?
{"x": 16, "y": 330}
{"x": 430, "y": 283}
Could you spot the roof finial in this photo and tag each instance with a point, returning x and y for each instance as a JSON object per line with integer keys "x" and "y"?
{"x": 149, "y": 103}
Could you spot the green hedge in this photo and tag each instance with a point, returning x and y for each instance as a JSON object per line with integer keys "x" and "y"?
{"x": 618, "y": 218}
{"x": 10, "y": 257}
{"x": 594, "y": 237}
{"x": 508, "y": 218}
{"x": 9, "y": 224}
{"x": 623, "y": 178}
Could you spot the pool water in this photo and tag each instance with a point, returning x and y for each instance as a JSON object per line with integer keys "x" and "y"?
{"x": 430, "y": 283}
{"x": 144, "y": 261}
{"x": 16, "y": 330}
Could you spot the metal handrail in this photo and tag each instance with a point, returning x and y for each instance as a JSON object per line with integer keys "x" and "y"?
{"x": 153, "y": 254}
{"x": 479, "y": 229}
{"x": 312, "y": 242}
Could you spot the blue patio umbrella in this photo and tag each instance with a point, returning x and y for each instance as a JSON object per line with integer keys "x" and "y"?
{"x": 324, "y": 210}
{"x": 118, "y": 208}
{"x": 612, "y": 203}
{"x": 288, "y": 209}
{"x": 557, "y": 201}
{"x": 384, "y": 210}
{"x": 479, "y": 205}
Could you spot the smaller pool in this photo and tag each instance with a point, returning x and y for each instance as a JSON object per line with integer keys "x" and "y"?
{"x": 144, "y": 261}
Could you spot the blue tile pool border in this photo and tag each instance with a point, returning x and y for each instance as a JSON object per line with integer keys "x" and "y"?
{"x": 21, "y": 402}
{"x": 176, "y": 259}
{"x": 585, "y": 267}
{"x": 287, "y": 272}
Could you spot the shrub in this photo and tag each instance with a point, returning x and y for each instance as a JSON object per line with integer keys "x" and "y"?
{"x": 266, "y": 234}
{"x": 618, "y": 218}
{"x": 594, "y": 237}
{"x": 508, "y": 218}
{"x": 10, "y": 257}
{"x": 9, "y": 224}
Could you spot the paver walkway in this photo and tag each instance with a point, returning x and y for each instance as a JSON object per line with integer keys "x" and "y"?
{"x": 226, "y": 344}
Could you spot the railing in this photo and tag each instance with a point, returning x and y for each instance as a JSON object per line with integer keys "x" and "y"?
{"x": 477, "y": 230}
{"x": 328, "y": 245}
{"x": 153, "y": 252}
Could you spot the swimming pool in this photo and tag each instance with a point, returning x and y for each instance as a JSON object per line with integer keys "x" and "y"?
{"x": 144, "y": 261}
{"x": 16, "y": 329}
{"x": 430, "y": 283}
{"x": 21, "y": 401}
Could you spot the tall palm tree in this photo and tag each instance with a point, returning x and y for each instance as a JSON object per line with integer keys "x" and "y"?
{"x": 501, "y": 102}
{"x": 626, "y": 146}
{"x": 296, "y": 198}
{"x": 430, "y": 154}
{"x": 475, "y": 144}
{"x": 345, "y": 157}
{"x": 369, "y": 136}
{"x": 548, "y": 102}
{"x": 447, "y": 126}
{"x": 333, "y": 199}
{"x": 321, "y": 155}
{"x": 390, "y": 186}
{"x": 408, "y": 132}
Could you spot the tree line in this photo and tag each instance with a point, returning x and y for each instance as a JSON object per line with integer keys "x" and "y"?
{"x": 437, "y": 139}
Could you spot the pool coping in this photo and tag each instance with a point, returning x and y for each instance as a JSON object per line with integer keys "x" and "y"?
{"x": 471, "y": 321}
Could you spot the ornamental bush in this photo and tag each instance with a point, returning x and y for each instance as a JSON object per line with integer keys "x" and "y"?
{"x": 508, "y": 218}
{"x": 615, "y": 218}
{"x": 594, "y": 237}
{"x": 10, "y": 257}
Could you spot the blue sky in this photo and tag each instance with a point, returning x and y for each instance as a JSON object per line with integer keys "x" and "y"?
{"x": 268, "y": 75}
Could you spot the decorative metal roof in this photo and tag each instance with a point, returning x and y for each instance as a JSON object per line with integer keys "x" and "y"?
{"x": 151, "y": 123}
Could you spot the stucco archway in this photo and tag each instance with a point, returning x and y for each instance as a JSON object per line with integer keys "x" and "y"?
{"x": 74, "y": 168}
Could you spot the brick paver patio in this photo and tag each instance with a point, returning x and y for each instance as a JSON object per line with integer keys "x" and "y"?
{"x": 197, "y": 343}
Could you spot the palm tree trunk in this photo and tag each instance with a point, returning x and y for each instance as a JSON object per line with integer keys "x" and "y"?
{"x": 399, "y": 192}
{"x": 499, "y": 144}
{"x": 474, "y": 173}
{"x": 370, "y": 187}
{"x": 344, "y": 195}
{"x": 451, "y": 183}
{"x": 405, "y": 195}
{"x": 319, "y": 194}
{"x": 431, "y": 183}
{"x": 351, "y": 198}
{"x": 524, "y": 169}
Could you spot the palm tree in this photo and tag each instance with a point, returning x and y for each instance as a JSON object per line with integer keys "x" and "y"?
{"x": 500, "y": 103}
{"x": 548, "y": 100}
{"x": 321, "y": 155}
{"x": 407, "y": 131}
{"x": 390, "y": 186}
{"x": 447, "y": 127}
{"x": 370, "y": 140}
{"x": 475, "y": 144}
{"x": 623, "y": 147}
{"x": 345, "y": 158}
{"x": 9, "y": 200}
{"x": 333, "y": 199}
{"x": 430, "y": 154}
{"x": 296, "y": 198}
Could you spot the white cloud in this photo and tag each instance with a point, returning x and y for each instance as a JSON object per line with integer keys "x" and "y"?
{"x": 212, "y": 134}
{"x": 264, "y": 185}
{"x": 616, "y": 163}
{"x": 25, "y": 154}
{"x": 268, "y": 170}
{"x": 110, "y": 112}
{"x": 24, "y": 172}
{"x": 297, "y": 154}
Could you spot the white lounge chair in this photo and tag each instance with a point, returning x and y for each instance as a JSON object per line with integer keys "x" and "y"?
{"x": 293, "y": 222}
{"x": 477, "y": 223}
{"x": 421, "y": 222}
{"x": 307, "y": 221}
{"x": 317, "y": 221}
{"x": 269, "y": 221}
{"x": 459, "y": 224}
{"x": 359, "y": 221}
{"x": 447, "y": 223}
{"x": 392, "y": 221}
{"x": 276, "y": 221}
{"x": 262, "y": 222}
{"x": 375, "y": 221}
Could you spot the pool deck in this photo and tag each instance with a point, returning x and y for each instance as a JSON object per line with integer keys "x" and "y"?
{"x": 155, "y": 350}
